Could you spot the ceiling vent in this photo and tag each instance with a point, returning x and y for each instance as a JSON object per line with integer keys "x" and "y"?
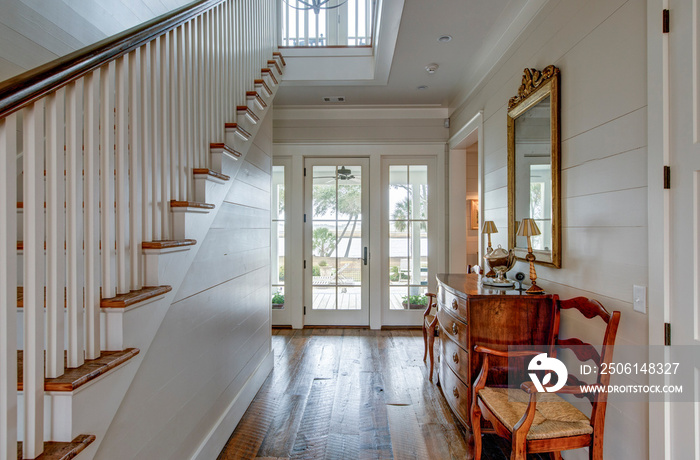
{"x": 334, "y": 99}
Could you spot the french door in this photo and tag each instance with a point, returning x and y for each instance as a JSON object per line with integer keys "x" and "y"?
{"x": 336, "y": 242}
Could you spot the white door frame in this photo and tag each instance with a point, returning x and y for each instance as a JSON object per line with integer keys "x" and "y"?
{"x": 336, "y": 317}
{"x": 472, "y": 131}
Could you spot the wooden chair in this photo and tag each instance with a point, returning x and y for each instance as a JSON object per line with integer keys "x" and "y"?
{"x": 429, "y": 324}
{"x": 545, "y": 422}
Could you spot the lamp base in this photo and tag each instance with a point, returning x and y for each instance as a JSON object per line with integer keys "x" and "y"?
{"x": 534, "y": 289}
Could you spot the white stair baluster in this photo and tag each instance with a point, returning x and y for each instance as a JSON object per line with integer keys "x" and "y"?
{"x": 135, "y": 153}
{"x": 34, "y": 264}
{"x": 91, "y": 165}
{"x": 8, "y": 287}
{"x": 55, "y": 233}
{"x": 107, "y": 233}
{"x": 74, "y": 224}
{"x": 165, "y": 42}
{"x": 121, "y": 160}
{"x": 183, "y": 121}
{"x": 146, "y": 146}
{"x": 156, "y": 136}
{"x": 174, "y": 157}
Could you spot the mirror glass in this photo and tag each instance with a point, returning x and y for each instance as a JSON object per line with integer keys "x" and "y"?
{"x": 533, "y": 165}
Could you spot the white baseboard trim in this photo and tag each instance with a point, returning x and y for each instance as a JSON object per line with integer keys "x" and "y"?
{"x": 216, "y": 439}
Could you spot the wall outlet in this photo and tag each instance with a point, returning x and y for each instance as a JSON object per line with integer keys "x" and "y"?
{"x": 639, "y": 297}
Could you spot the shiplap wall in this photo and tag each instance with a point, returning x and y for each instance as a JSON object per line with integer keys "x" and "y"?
{"x": 600, "y": 47}
{"x": 216, "y": 332}
{"x": 34, "y": 32}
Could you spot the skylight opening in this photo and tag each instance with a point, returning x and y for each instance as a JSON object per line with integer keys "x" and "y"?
{"x": 326, "y": 23}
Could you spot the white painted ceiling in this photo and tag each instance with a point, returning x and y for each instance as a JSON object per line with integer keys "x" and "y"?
{"x": 33, "y": 32}
{"x": 475, "y": 26}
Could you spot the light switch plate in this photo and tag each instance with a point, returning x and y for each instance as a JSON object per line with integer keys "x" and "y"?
{"x": 639, "y": 296}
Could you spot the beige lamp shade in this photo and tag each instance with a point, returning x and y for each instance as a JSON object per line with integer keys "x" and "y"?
{"x": 528, "y": 227}
{"x": 489, "y": 227}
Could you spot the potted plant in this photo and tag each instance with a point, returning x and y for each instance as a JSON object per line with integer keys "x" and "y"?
{"x": 414, "y": 301}
{"x": 278, "y": 300}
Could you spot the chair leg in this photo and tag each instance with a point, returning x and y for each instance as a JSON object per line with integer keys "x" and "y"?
{"x": 555, "y": 455}
{"x": 476, "y": 431}
{"x": 425, "y": 342}
{"x": 519, "y": 448}
{"x": 431, "y": 345}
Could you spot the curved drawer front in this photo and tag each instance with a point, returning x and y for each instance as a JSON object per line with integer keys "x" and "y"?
{"x": 456, "y": 357}
{"x": 456, "y": 305}
{"x": 453, "y": 328}
{"x": 456, "y": 393}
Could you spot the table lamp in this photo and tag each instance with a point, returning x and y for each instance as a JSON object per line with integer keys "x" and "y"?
{"x": 528, "y": 228}
{"x": 489, "y": 228}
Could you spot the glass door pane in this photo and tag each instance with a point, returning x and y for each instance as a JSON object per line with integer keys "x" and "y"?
{"x": 408, "y": 236}
{"x": 336, "y": 199}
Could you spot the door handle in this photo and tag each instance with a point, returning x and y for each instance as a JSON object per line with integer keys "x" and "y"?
{"x": 364, "y": 256}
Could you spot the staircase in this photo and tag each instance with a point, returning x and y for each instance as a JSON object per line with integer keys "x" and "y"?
{"x": 115, "y": 163}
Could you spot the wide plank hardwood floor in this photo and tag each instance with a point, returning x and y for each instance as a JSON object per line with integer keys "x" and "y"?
{"x": 351, "y": 394}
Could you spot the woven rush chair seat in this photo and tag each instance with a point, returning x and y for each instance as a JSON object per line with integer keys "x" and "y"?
{"x": 554, "y": 417}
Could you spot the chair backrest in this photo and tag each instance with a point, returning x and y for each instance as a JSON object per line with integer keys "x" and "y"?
{"x": 587, "y": 352}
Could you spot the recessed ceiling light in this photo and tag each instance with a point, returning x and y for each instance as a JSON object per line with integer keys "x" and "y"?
{"x": 431, "y": 68}
{"x": 445, "y": 38}
{"x": 422, "y": 88}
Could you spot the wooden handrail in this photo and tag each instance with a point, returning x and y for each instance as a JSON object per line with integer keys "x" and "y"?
{"x": 19, "y": 91}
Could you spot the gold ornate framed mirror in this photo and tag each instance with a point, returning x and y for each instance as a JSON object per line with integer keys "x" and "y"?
{"x": 533, "y": 165}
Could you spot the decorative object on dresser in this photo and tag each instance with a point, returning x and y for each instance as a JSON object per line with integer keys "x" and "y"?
{"x": 489, "y": 228}
{"x": 528, "y": 228}
{"x": 429, "y": 323}
{"x": 545, "y": 422}
{"x": 501, "y": 261}
{"x": 470, "y": 314}
{"x": 533, "y": 164}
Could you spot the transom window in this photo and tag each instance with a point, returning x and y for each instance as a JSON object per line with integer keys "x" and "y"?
{"x": 309, "y": 23}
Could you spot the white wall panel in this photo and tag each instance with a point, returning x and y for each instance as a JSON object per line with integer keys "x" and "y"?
{"x": 600, "y": 47}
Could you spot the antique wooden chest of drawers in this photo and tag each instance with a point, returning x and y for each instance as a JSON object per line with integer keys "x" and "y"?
{"x": 470, "y": 314}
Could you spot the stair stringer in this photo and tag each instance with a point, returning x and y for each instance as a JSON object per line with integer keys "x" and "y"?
{"x": 141, "y": 324}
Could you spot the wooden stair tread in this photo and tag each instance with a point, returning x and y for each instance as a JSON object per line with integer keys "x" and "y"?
{"x": 61, "y": 450}
{"x": 279, "y": 55}
{"x": 165, "y": 244}
{"x": 76, "y": 377}
{"x": 274, "y": 63}
{"x": 134, "y": 297}
{"x": 190, "y": 204}
{"x": 239, "y": 128}
{"x": 247, "y": 111}
{"x": 271, "y": 74}
{"x": 120, "y": 301}
{"x": 225, "y": 148}
{"x": 257, "y": 97}
{"x": 264, "y": 85}
{"x": 20, "y": 297}
{"x": 209, "y": 172}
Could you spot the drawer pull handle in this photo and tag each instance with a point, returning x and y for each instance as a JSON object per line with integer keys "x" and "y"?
{"x": 455, "y": 329}
{"x": 455, "y": 357}
{"x": 455, "y": 392}
{"x": 454, "y": 304}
